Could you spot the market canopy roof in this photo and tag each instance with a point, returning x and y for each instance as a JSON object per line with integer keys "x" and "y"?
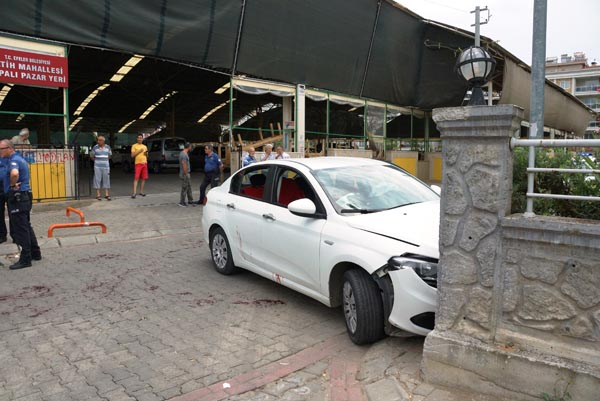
{"x": 366, "y": 48}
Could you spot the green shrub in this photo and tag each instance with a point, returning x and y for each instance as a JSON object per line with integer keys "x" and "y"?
{"x": 565, "y": 396}
{"x": 556, "y": 183}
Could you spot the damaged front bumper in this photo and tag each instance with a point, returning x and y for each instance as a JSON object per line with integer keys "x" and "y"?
{"x": 409, "y": 294}
{"x": 414, "y": 304}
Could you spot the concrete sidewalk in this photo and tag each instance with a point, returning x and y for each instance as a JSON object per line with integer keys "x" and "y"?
{"x": 329, "y": 367}
{"x": 125, "y": 218}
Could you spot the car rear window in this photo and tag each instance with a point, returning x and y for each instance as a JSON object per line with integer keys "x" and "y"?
{"x": 174, "y": 144}
{"x": 250, "y": 182}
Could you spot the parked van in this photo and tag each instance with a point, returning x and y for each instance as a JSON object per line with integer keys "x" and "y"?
{"x": 163, "y": 153}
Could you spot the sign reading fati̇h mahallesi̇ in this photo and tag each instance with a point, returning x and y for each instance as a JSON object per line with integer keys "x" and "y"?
{"x": 35, "y": 69}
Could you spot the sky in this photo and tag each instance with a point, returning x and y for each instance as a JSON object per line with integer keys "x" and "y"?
{"x": 571, "y": 25}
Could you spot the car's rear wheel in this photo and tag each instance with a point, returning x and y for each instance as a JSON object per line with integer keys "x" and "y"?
{"x": 156, "y": 168}
{"x": 221, "y": 253}
{"x": 363, "y": 307}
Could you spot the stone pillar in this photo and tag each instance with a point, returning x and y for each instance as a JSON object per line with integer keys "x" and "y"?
{"x": 476, "y": 195}
{"x": 519, "y": 298}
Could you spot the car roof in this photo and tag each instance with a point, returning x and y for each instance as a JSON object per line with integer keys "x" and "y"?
{"x": 150, "y": 139}
{"x": 318, "y": 163}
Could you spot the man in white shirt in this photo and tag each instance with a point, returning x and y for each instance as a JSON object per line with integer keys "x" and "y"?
{"x": 22, "y": 138}
{"x": 281, "y": 154}
{"x": 269, "y": 155}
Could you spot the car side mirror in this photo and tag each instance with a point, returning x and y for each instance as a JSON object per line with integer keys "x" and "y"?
{"x": 437, "y": 189}
{"x": 303, "y": 207}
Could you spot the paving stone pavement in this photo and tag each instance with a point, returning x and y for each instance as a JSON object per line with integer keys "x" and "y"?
{"x": 138, "y": 313}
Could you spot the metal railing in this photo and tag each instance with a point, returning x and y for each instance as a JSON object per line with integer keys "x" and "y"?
{"x": 415, "y": 144}
{"x": 531, "y": 169}
{"x": 588, "y": 88}
{"x": 593, "y": 106}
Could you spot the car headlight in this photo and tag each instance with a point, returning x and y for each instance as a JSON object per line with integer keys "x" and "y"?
{"x": 426, "y": 268}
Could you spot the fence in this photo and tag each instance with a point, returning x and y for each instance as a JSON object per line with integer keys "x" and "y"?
{"x": 531, "y": 169}
{"x": 54, "y": 172}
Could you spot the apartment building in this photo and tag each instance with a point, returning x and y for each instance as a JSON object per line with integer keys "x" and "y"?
{"x": 576, "y": 76}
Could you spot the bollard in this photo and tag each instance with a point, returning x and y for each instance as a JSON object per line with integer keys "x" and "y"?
{"x": 82, "y": 223}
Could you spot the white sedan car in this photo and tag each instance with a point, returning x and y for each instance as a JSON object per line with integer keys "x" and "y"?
{"x": 354, "y": 232}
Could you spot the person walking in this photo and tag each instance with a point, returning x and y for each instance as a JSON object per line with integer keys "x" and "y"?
{"x": 139, "y": 154}
{"x": 185, "y": 175}
{"x": 100, "y": 155}
{"x": 19, "y": 199}
{"x": 212, "y": 168}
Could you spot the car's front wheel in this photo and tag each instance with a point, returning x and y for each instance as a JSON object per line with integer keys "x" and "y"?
{"x": 221, "y": 253}
{"x": 363, "y": 307}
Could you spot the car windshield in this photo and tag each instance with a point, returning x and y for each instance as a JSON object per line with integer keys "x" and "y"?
{"x": 367, "y": 189}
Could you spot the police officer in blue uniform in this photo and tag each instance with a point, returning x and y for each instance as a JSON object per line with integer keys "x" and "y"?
{"x": 212, "y": 171}
{"x": 19, "y": 201}
{"x": 3, "y": 230}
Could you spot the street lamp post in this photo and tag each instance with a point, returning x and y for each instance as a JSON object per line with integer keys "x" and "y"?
{"x": 475, "y": 65}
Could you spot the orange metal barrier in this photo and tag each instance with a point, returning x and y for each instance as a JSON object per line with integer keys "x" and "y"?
{"x": 76, "y": 211}
{"x": 82, "y": 222}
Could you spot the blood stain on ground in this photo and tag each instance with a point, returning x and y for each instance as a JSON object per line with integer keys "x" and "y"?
{"x": 261, "y": 302}
{"x": 40, "y": 312}
{"x": 36, "y": 291}
{"x": 202, "y": 302}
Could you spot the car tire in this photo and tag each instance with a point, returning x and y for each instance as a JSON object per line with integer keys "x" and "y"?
{"x": 156, "y": 168}
{"x": 363, "y": 307}
{"x": 221, "y": 252}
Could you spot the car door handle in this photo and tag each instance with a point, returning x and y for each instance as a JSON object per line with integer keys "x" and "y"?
{"x": 230, "y": 206}
{"x": 268, "y": 217}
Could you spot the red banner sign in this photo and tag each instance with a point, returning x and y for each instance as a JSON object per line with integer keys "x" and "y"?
{"x": 25, "y": 68}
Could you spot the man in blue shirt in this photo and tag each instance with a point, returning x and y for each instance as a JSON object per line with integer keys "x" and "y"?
{"x": 19, "y": 200}
{"x": 3, "y": 230}
{"x": 249, "y": 158}
{"x": 212, "y": 169}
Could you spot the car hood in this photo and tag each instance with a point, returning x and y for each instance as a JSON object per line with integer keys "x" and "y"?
{"x": 416, "y": 224}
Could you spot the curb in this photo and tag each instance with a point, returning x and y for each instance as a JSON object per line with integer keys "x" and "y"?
{"x": 7, "y": 248}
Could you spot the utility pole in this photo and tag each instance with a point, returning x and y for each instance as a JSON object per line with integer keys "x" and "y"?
{"x": 536, "y": 103}
{"x": 477, "y": 26}
{"x": 478, "y": 22}
{"x": 538, "y": 65}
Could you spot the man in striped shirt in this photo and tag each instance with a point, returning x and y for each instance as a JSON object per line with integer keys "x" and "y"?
{"x": 101, "y": 154}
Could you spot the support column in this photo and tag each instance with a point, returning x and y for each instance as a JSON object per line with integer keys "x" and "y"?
{"x": 43, "y": 136}
{"x": 519, "y": 298}
{"x": 476, "y": 195}
{"x": 300, "y": 115}
{"x": 287, "y": 116}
